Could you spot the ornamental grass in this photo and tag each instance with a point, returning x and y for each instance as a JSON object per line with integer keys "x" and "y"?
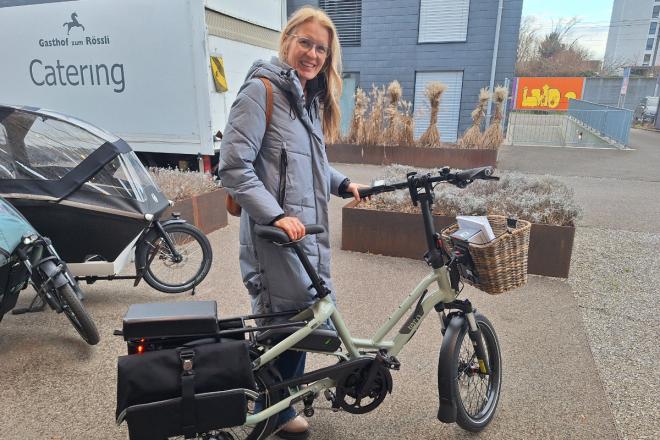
{"x": 538, "y": 199}
{"x": 431, "y": 137}
{"x": 473, "y": 135}
{"x": 178, "y": 185}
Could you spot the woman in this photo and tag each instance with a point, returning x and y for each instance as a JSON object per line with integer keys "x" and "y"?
{"x": 280, "y": 175}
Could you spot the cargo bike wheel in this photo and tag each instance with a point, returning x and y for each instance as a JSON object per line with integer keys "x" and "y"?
{"x": 178, "y": 270}
{"x": 68, "y": 301}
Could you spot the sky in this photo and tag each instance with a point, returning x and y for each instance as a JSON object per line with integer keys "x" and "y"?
{"x": 594, "y": 17}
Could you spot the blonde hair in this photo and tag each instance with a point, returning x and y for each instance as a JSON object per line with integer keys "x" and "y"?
{"x": 331, "y": 66}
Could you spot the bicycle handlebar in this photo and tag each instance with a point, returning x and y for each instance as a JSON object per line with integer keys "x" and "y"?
{"x": 461, "y": 179}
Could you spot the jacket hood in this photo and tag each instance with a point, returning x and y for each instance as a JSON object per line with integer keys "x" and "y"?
{"x": 285, "y": 77}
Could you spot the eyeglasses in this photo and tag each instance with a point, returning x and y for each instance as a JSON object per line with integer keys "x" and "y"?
{"x": 308, "y": 44}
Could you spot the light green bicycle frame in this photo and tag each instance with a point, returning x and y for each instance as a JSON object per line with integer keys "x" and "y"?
{"x": 325, "y": 308}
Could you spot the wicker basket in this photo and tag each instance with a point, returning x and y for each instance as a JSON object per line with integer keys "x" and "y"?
{"x": 501, "y": 264}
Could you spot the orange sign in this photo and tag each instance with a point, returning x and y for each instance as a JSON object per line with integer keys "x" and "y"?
{"x": 543, "y": 93}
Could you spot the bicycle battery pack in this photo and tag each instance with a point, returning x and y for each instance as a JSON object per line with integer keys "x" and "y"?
{"x": 319, "y": 340}
{"x": 178, "y": 319}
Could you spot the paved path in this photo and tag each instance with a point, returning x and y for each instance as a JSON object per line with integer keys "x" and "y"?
{"x": 56, "y": 387}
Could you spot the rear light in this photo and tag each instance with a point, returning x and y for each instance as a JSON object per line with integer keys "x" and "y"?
{"x": 140, "y": 349}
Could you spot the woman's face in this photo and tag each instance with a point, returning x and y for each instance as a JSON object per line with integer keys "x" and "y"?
{"x": 309, "y": 47}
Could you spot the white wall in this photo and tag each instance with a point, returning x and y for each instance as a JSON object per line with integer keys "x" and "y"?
{"x": 266, "y": 13}
{"x": 629, "y": 28}
{"x": 238, "y": 58}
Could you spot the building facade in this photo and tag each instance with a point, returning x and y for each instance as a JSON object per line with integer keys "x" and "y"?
{"x": 633, "y": 36}
{"x": 417, "y": 41}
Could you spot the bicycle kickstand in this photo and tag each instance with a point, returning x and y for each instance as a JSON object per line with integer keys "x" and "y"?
{"x": 36, "y": 305}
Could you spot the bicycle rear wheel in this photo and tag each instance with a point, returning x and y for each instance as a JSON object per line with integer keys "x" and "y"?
{"x": 164, "y": 272}
{"x": 475, "y": 394}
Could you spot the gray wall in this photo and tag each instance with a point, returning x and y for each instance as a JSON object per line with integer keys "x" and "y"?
{"x": 606, "y": 91}
{"x": 390, "y": 50}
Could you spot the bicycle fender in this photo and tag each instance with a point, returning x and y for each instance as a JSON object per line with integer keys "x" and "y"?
{"x": 50, "y": 269}
{"x": 172, "y": 221}
{"x": 447, "y": 408}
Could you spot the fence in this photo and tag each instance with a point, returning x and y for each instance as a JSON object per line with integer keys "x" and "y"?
{"x": 609, "y": 123}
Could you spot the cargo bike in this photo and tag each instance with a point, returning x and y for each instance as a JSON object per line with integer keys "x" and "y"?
{"x": 87, "y": 191}
{"x": 189, "y": 374}
{"x": 27, "y": 258}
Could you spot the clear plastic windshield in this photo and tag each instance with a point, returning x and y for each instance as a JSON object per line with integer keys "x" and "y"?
{"x": 41, "y": 148}
{"x": 125, "y": 176}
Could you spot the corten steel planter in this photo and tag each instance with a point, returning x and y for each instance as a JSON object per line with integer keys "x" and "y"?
{"x": 206, "y": 211}
{"x": 400, "y": 234}
{"x": 414, "y": 156}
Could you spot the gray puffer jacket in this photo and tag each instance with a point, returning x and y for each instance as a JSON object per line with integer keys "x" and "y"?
{"x": 284, "y": 171}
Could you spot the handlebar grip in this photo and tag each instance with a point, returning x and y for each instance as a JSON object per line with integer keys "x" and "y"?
{"x": 273, "y": 233}
{"x": 475, "y": 173}
{"x": 364, "y": 192}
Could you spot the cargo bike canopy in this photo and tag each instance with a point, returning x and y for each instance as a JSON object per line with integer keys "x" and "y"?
{"x": 52, "y": 157}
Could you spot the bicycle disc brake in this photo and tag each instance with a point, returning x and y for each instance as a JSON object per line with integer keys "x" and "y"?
{"x": 353, "y": 398}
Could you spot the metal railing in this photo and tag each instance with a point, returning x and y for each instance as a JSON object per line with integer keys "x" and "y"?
{"x": 605, "y": 121}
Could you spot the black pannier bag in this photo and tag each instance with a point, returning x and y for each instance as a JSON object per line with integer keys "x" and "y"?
{"x": 184, "y": 391}
{"x": 191, "y": 389}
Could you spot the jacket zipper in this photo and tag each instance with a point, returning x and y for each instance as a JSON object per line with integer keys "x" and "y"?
{"x": 283, "y": 165}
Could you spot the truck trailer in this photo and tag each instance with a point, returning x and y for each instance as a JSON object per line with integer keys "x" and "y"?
{"x": 160, "y": 74}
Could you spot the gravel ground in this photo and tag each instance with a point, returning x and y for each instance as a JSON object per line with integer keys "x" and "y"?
{"x": 615, "y": 277}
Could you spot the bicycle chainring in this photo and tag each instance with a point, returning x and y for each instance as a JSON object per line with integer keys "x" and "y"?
{"x": 351, "y": 385}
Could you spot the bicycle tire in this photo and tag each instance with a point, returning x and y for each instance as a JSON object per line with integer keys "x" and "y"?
{"x": 147, "y": 257}
{"x": 77, "y": 314}
{"x": 464, "y": 369}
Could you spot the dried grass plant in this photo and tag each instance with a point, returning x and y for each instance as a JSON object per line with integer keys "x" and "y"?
{"x": 178, "y": 185}
{"x": 406, "y": 132}
{"x": 392, "y": 114}
{"x": 431, "y": 137}
{"x": 374, "y": 130}
{"x": 357, "y": 130}
{"x": 542, "y": 199}
{"x": 493, "y": 136}
{"x": 473, "y": 135}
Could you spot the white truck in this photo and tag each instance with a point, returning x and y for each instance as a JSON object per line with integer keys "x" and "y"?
{"x": 149, "y": 71}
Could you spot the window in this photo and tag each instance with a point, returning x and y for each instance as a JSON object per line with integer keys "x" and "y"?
{"x": 351, "y": 81}
{"x": 647, "y": 60}
{"x": 347, "y": 16}
{"x": 649, "y": 43}
{"x": 656, "y": 11}
{"x": 443, "y": 20}
{"x": 653, "y": 28}
{"x": 450, "y": 104}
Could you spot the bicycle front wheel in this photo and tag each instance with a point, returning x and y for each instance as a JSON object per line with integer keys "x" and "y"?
{"x": 476, "y": 394}
{"x": 77, "y": 314}
{"x": 169, "y": 273}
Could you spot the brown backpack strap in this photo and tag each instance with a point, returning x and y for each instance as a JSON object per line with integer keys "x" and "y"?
{"x": 232, "y": 205}
{"x": 269, "y": 99}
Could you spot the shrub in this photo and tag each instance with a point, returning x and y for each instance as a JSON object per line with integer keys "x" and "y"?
{"x": 541, "y": 199}
{"x": 178, "y": 185}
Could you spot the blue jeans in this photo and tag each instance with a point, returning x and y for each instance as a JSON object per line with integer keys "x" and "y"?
{"x": 290, "y": 364}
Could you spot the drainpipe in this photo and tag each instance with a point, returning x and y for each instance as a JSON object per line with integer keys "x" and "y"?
{"x": 494, "y": 62}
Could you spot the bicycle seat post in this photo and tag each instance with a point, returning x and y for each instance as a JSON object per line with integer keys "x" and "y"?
{"x": 317, "y": 282}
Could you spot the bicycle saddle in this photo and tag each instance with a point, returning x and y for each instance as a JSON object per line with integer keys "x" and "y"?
{"x": 273, "y": 233}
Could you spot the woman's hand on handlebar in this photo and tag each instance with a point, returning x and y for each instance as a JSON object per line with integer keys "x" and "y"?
{"x": 354, "y": 188}
{"x": 292, "y": 226}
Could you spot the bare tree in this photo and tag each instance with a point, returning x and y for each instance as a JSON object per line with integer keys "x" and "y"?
{"x": 554, "y": 54}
